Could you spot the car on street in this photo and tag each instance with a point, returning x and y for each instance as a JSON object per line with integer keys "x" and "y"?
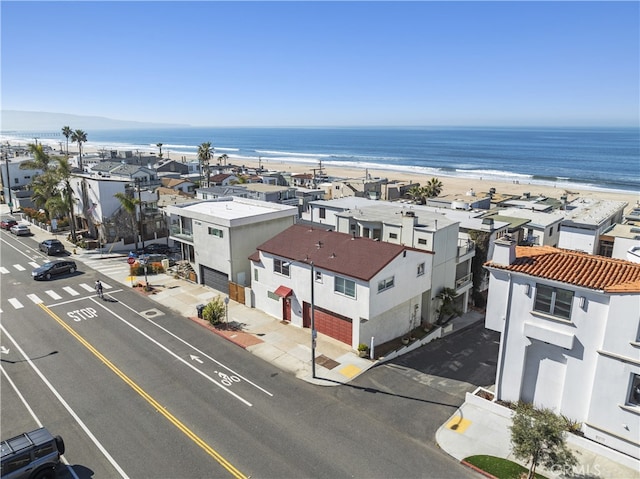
{"x": 155, "y": 258}
{"x": 54, "y": 268}
{"x": 7, "y": 223}
{"x": 51, "y": 246}
{"x": 155, "y": 248}
{"x": 31, "y": 455}
{"x": 20, "y": 230}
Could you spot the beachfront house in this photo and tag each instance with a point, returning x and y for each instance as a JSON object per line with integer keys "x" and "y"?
{"x": 570, "y": 326}
{"x": 586, "y": 220}
{"x": 217, "y": 236}
{"x": 285, "y": 195}
{"x": 360, "y": 290}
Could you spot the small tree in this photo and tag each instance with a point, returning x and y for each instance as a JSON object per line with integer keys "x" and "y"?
{"x": 538, "y": 437}
{"x": 214, "y": 312}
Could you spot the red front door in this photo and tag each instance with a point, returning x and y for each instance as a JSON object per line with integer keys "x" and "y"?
{"x": 286, "y": 309}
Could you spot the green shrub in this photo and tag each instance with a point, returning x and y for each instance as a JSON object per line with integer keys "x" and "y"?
{"x": 214, "y": 312}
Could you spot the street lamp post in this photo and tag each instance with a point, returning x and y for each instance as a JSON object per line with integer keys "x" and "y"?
{"x": 313, "y": 322}
{"x": 6, "y": 159}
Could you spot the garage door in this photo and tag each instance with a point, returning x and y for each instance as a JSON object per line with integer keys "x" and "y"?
{"x": 214, "y": 279}
{"x": 332, "y": 324}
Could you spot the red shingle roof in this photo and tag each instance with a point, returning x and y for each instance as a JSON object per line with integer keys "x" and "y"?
{"x": 580, "y": 269}
{"x": 358, "y": 257}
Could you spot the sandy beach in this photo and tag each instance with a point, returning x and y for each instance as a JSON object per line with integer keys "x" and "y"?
{"x": 452, "y": 186}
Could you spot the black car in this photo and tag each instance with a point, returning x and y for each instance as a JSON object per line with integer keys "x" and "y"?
{"x": 53, "y": 268}
{"x": 52, "y": 246}
{"x": 155, "y": 248}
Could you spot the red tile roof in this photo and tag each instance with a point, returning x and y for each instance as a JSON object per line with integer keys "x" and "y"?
{"x": 360, "y": 258}
{"x": 579, "y": 269}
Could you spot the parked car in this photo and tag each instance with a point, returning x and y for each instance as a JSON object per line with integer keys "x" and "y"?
{"x": 155, "y": 248}
{"x": 7, "y": 223}
{"x": 51, "y": 246}
{"x": 31, "y": 455}
{"x": 20, "y": 230}
{"x": 155, "y": 258}
{"x": 54, "y": 268}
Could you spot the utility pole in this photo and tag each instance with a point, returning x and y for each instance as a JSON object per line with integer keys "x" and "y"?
{"x": 314, "y": 334}
{"x": 140, "y": 223}
{"x": 8, "y": 185}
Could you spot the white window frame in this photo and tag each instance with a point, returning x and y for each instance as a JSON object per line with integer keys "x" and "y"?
{"x": 385, "y": 284}
{"x": 340, "y": 286}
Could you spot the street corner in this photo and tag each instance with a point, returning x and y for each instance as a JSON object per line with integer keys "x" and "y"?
{"x": 458, "y": 424}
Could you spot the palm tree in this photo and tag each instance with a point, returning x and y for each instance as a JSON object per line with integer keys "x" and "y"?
{"x": 223, "y": 158}
{"x": 129, "y": 204}
{"x": 205, "y": 152}
{"x": 159, "y": 145}
{"x": 448, "y": 308}
{"x": 63, "y": 174}
{"x": 43, "y": 188}
{"x": 40, "y": 159}
{"x": 66, "y": 131}
{"x": 433, "y": 188}
{"x": 80, "y": 137}
{"x": 416, "y": 193}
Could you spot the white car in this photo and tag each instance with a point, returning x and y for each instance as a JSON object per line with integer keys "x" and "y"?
{"x": 20, "y": 230}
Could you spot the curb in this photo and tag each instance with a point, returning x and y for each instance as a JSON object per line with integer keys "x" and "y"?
{"x": 477, "y": 469}
{"x": 229, "y": 338}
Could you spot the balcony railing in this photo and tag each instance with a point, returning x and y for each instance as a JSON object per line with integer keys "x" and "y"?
{"x": 182, "y": 233}
{"x": 465, "y": 246}
{"x": 464, "y": 281}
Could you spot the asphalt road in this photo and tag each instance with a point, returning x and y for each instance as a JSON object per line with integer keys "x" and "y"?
{"x": 139, "y": 392}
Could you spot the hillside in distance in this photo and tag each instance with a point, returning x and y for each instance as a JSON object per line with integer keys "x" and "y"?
{"x": 15, "y": 120}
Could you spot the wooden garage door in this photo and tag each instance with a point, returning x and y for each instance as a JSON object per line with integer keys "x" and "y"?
{"x": 329, "y": 323}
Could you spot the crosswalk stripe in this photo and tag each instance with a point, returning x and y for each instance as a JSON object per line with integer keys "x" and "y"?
{"x": 53, "y": 294}
{"x": 106, "y": 286}
{"x": 86, "y": 286}
{"x": 71, "y": 291}
{"x": 34, "y": 298}
{"x": 19, "y": 267}
{"x": 15, "y": 303}
{"x": 3, "y": 270}
{"x": 34, "y": 264}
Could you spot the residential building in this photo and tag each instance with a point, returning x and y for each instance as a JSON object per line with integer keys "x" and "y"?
{"x": 179, "y": 184}
{"x": 586, "y": 219}
{"x": 217, "y": 236}
{"x": 570, "y": 326}
{"x": 285, "y": 195}
{"x": 357, "y": 290}
{"x": 531, "y": 227}
{"x": 621, "y": 241}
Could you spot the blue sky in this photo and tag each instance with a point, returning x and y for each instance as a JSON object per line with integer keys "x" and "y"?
{"x": 326, "y": 63}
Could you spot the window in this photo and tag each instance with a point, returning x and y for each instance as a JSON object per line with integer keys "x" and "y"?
{"x": 323, "y": 213}
{"x": 420, "y": 269}
{"x": 393, "y": 235}
{"x": 281, "y": 267}
{"x": 318, "y": 276}
{"x": 554, "y": 301}
{"x": 215, "y": 232}
{"x": 385, "y": 284}
{"x": 345, "y": 286}
{"x": 365, "y": 232}
{"x": 422, "y": 241}
{"x": 634, "y": 394}
{"x": 255, "y": 274}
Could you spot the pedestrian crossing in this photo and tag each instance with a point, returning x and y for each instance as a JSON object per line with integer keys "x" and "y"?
{"x": 66, "y": 291}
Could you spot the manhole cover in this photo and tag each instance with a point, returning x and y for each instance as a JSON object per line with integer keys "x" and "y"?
{"x": 152, "y": 313}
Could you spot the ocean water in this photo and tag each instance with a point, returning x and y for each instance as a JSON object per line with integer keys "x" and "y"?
{"x": 588, "y": 158}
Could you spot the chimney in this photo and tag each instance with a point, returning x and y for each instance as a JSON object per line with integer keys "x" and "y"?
{"x": 504, "y": 251}
{"x": 487, "y": 224}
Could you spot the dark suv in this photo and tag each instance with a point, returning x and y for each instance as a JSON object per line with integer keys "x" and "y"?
{"x": 155, "y": 248}
{"x": 31, "y": 455}
{"x": 53, "y": 268}
{"x": 52, "y": 246}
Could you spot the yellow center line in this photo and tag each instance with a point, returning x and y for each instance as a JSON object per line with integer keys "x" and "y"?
{"x": 172, "y": 419}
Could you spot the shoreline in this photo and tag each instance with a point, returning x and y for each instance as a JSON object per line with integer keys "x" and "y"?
{"x": 453, "y": 185}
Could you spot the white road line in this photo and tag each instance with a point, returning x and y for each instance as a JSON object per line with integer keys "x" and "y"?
{"x": 19, "y": 267}
{"x": 15, "y": 303}
{"x": 106, "y": 286}
{"x": 34, "y": 298}
{"x": 3, "y": 270}
{"x": 34, "y": 264}
{"x": 87, "y": 287}
{"x": 106, "y": 454}
{"x": 53, "y": 294}
{"x": 71, "y": 291}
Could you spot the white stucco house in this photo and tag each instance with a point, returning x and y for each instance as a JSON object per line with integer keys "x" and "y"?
{"x": 570, "y": 337}
{"x": 360, "y": 290}
{"x": 217, "y": 236}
